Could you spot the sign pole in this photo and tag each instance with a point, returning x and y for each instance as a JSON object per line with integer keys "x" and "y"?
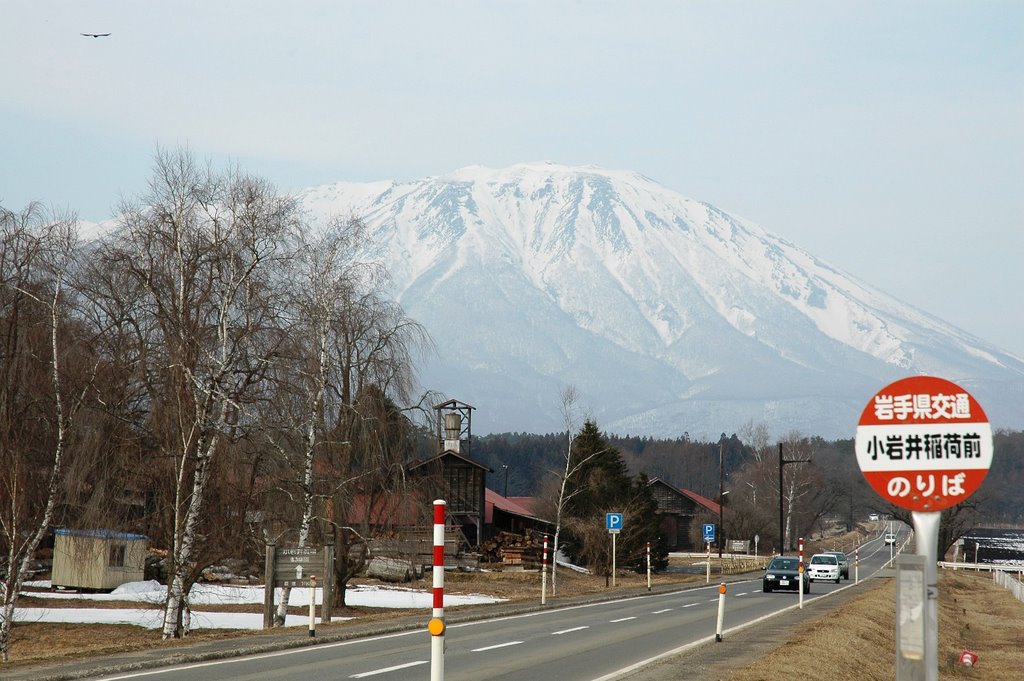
{"x": 708, "y": 580}
{"x": 926, "y": 529}
{"x": 613, "y": 559}
{"x": 268, "y": 589}
{"x": 924, "y": 444}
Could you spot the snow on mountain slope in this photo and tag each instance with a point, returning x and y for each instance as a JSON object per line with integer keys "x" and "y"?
{"x": 668, "y": 314}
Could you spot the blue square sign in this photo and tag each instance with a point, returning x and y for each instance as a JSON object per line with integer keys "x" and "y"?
{"x": 709, "y": 532}
{"x": 613, "y": 522}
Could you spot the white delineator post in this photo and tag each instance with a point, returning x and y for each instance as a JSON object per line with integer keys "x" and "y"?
{"x": 648, "y": 566}
{"x": 312, "y": 606}
{"x": 856, "y": 564}
{"x": 436, "y": 625}
{"x": 544, "y": 574}
{"x": 800, "y": 572}
{"x": 721, "y": 612}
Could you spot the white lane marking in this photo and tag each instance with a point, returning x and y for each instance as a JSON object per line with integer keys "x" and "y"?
{"x": 658, "y": 612}
{"x": 742, "y": 594}
{"x": 713, "y": 600}
{"x": 690, "y": 605}
{"x": 388, "y": 669}
{"x": 568, "y": 631}
{"x": 500, "y": 645}
{"x": 621, "y": 619}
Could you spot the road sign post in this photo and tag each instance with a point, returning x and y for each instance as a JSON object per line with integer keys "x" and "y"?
{"x": 294, "y": 568}
{"x": 924, "y": 444}
{"x": 613, "y": 523}
{"x": 709, "y": 533}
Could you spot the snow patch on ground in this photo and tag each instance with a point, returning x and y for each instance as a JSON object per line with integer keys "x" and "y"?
{"x": 152, "y": 593}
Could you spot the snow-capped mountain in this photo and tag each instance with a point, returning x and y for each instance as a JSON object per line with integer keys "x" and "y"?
{"x": 667, "y": 314}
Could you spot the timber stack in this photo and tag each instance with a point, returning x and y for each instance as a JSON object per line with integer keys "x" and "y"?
{"x": 509, "y": 549}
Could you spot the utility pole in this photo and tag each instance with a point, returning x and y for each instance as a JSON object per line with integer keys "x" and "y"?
{"x": 721, "y": 498}
{"x": 506, "y": 479}
{"x": 782, "y": 523}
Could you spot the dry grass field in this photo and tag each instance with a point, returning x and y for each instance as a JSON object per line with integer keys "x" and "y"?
{"x": 857, "y": 641}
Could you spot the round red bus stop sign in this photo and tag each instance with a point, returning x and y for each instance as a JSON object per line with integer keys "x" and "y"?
{"x": 924, "y": 443}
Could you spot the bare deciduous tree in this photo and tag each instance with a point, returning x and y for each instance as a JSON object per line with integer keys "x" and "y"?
{"x": 38, "y": 401}
{"x": 202, "y": 253}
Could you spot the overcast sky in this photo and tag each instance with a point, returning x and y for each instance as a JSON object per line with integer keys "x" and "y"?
{"x": 885, "y": 138}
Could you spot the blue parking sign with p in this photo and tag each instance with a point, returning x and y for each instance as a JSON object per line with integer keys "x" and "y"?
{"x": 709, "y": 532}
{"x": 613, "y": 522}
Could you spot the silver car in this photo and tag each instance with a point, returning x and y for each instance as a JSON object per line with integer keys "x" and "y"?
{"x": 844, "y": 563}
{"x": 823, "y": 567}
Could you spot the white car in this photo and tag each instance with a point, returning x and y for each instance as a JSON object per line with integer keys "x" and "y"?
{"x": 890, "y": 538}
{"x": 823, "y": 566}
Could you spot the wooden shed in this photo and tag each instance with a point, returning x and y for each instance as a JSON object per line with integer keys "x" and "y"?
{"x": 678, "y": 509}
{"x": 97, "y": 559}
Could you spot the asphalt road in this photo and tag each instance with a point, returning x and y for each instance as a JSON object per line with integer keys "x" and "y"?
{"x": 587, "y": 642}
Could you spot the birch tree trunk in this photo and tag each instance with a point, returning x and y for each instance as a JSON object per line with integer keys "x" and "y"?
{"x": 199, "y": 260}
{"x": 38, "y": 256}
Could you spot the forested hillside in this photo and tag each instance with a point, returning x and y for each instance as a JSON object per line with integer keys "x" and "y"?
{"x": 829, "y": 485}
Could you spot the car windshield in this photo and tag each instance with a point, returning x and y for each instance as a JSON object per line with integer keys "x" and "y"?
{"x": 840, "y": 556}
{"x": 824, "y": 560}
{"x": 783, "y": 564}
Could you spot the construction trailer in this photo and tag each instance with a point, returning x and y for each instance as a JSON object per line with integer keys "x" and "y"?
{"x": 97, "y": 559}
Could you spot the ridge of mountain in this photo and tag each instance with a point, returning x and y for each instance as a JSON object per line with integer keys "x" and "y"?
{"x": 667, "y": 314}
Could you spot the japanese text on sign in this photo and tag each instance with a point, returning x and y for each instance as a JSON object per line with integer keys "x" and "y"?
{"x": 922, "y": 406}
{"x": 925, "y": 446}
{"x": 926, "y": 485}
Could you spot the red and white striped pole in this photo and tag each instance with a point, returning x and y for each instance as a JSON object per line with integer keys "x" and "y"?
{"x": 544, "y": 574}
{"x": 648, "y": 566}
{"x": 436, "y": 625}
{"x": 800, "y": 570}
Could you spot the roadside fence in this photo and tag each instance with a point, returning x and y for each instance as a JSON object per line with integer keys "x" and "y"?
{"x": 1009, "y": 582}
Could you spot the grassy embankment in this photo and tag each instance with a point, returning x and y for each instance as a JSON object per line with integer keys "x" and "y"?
{"x": 858, "y": 640}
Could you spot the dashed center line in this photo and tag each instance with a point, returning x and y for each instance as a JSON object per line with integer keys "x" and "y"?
{"x": 743, "y": 594}
{"x": 621, "y": 619}
{"x": 658, "y": 612}
{"x": 388, "y": 669}
{"x": 568, "y": 631}
{"x": 690, "y": 605}
{"x": 500, "y": 645}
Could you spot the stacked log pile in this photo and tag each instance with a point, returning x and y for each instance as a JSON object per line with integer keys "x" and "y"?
{"x": 509, "y": 549}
